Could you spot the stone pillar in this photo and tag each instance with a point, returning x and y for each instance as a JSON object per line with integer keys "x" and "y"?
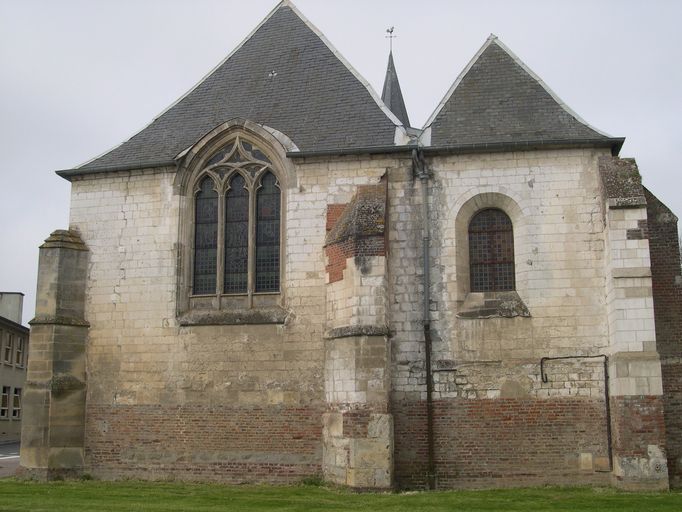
{"x": 358, "y": 427}
{"x": 638, "y": 428}
{"x": 53, "y": 423}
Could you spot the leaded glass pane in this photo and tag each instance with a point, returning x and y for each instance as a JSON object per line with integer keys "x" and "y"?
{"x": 491, "y": 251}
{"x": 205, "y": 238}
{"x": 236, "y": 236}
{"x": 221, "y": 154}
{"x": 267, "y": 235}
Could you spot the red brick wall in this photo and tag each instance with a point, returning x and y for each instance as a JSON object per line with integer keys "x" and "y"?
{"x": 193, "y": 442}
{"x": 637, "y": 423}
{"x": 360, "y": 231}
{"x": 665, "y": 272}
{"x": 672, "y": 403}
{"x": 501, "y": 442}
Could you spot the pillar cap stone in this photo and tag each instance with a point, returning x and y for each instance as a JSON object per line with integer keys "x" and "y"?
{"x": 64, "y": 239}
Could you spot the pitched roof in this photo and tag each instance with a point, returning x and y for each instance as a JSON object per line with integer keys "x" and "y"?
{"x": 285, "y": 75}
{"x": 498, "y": 99}
{"x": 392, "y": 96}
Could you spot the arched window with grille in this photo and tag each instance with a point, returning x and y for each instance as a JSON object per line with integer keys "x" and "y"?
{"x": 237, "y": 238}
{"x": 491, "y": 251}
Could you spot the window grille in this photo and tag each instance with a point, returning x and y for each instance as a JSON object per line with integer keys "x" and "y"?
{"x": 205, "y": 238}
{"x": 9, "y": 348}
{"x": 267, "y": 235}
{"x": 491, "y": 251}
{"x": 4, "y": 402}
{"x": 19, "y": 353}
{"x": 16, "y": 404}
{"x": 236, "y": 236}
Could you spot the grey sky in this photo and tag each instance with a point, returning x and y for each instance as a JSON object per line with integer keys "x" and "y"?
{"x": 79, "y": 77}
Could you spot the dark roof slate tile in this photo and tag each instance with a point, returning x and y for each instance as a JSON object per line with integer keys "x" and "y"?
{"x": 284, "y": 76}
{"x": 497, "y": 99}
{"x": 392, "y": 95}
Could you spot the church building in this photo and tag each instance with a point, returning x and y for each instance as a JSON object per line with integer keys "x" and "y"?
{"x": 279, "y": 278}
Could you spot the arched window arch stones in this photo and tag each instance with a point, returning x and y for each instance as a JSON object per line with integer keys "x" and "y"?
{"x": 465, "y": 209}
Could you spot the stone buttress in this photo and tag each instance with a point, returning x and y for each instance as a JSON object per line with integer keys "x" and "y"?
{"x": 358, "y": 427}
{"x": 53, "y": 425}
{"x": 638, "y": 444}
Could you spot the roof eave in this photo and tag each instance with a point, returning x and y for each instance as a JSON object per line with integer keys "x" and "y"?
{"x": 614, "y": 143}
{"x": 67, "y": 174}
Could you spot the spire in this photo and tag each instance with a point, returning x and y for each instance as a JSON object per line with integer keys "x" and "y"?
{"x": 392, "y": 96}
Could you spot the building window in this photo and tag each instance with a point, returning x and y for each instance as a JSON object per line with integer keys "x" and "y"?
{"x": 4, "y": 403}
{"x": 237, "y": 208}
{"x": 16, "y": 404}
{"x": 19, "y": 353}
{"x": 9, "y": 348}
{"x": 491, "y": 251}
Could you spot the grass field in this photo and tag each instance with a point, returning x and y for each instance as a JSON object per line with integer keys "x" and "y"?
{"x": 90, "y": 496}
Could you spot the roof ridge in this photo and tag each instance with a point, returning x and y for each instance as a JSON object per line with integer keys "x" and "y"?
{"x": 283, "y": 3}
{"x": 457, "y": 81}
{"x": 394, "y": 119}
{"x": 547, "y": 89}
{"x": 493, "y": 39}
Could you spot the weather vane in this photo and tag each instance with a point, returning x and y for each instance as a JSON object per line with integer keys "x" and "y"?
{"x": 390, "y": 37}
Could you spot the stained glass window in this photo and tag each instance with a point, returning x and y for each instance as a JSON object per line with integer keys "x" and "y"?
{"x": 267, "y": 235}
{"x": 236, "y": 236}
{"x": 491, "y": 251}
{"x": 242, "y": 186}
{"x": 205, "y": 238}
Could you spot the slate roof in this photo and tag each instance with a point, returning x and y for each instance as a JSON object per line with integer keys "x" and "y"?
{"x": 392, "y": 96}
{"x": 498, "y": 99}
{"x": 284, "y": 75}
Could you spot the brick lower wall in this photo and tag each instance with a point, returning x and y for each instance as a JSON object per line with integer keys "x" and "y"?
{"x": 638, "y": 423}
{"x": 501, "y": 442}
{"x": 192, "y": 442}
{"x": 672, "y": 409}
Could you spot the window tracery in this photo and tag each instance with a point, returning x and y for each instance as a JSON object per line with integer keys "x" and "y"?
{"x": 237, "y": 209}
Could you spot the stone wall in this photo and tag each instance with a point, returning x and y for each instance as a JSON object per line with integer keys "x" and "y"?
{"x": 487, "y": 384}
{"x": 667, "y": 294}
{"x": 337, "y": 386}
{"x": 147, "y": 370}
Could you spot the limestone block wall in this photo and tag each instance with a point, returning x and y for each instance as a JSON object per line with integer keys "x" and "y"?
{"x": 488, "y": 386}
{"x": 211, "y": 402}
{"x": 195, "y": 401}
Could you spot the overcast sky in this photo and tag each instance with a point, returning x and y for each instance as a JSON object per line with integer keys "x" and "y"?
{"x": 79, "y": 77}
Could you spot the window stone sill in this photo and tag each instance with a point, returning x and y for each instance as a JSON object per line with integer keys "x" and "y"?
{"x": 493, "y": 305}
{"x": 259, "y": 316}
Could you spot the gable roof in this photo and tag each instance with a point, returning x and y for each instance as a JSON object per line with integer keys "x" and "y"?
{"x": 498, "y": 99}
{"x": 391, "y": 95}
{"x": 285, "y": 75}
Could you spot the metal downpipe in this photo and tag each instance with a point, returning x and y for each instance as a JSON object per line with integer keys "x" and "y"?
{"x": 419, "y": 168}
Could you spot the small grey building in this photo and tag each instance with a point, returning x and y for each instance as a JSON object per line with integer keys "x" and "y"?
{"x": 13, "y": 354}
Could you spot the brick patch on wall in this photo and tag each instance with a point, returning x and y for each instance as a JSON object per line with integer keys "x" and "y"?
{"x": 637, "y": 423}
{"x": 501, "y": 442}
{"x": 356, "y": 229}
{"x": 192, "y": 442}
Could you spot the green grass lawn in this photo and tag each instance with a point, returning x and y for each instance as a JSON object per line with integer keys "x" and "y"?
{"x": 90, "y": 496}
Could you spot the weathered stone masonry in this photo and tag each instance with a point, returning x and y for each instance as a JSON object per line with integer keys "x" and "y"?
{"x": 570, "y": 375}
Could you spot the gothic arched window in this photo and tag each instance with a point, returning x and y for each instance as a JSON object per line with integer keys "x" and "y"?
{"x": 237, "y": 205}
{"x": 491, "y": 251}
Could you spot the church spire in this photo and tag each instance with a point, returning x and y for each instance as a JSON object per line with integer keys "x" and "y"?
{"x": 392, "y": 96}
